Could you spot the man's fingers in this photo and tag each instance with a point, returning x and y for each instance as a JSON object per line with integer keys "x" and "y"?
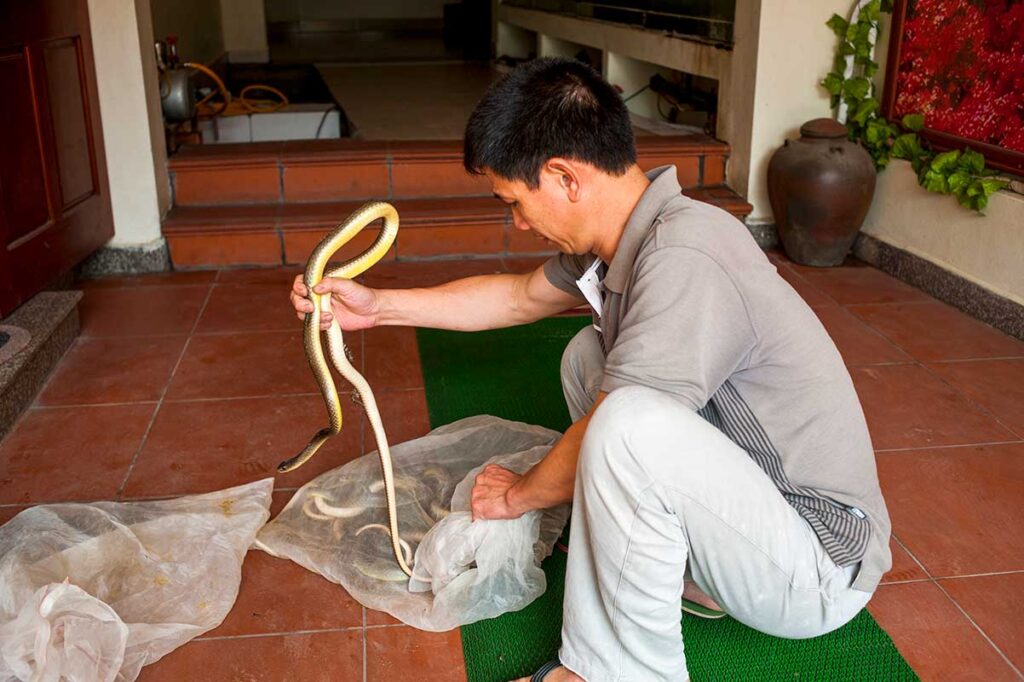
{"x": 335, "y": 285}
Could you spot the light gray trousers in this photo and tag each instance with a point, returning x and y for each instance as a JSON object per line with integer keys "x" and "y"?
{"x": 661, "y": 492}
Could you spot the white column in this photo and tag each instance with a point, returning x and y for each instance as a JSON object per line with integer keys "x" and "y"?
{"x": 125, "y": 117}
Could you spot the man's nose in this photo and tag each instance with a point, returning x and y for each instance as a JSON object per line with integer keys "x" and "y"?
{"x": 519, "y": 223}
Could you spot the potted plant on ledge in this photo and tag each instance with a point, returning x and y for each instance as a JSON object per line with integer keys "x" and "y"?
{"x": 820, "y": 187}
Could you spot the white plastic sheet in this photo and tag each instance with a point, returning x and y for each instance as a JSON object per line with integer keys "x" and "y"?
{"x": 464, "y": 571}
{"x": 93, "y": 592}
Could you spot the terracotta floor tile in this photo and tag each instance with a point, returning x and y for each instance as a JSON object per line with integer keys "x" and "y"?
{"x": 996, "y": 603}
{"x": 904, "y": 567}
{"x": 958, "y": 510}
{"x": 246, "y": 364}
{"x": 149, "y": 280}
{"x": 934, "y": 637}
{"x": 9, "y": 512}
{"x": 278, "y": 595}
{"x": 211, "y": 445}
{"x": 935, "y": 331}
{"x": 403, "y": 275}
{"x": 380, "y": 618}
{"x": 280, "y": 276}
{"x": 142, "y": 311}
{"x": 249, "y": 307}
{"x": 311, "y": 657}
{"x": 997, "y": 385}
{"x": 278, "y": 500}
{"x": 392, "y": 358}
{"x": 113, "y": 370}
{"x": 857, "y": 343}
{"x": 404, "y": 414}
{"x": 397, "y": 653}
{"x": 907, "y": 407}
{"x": 857, "y": 282}
{"x": 807, "y": 291}
{"x": 73, "y": 453}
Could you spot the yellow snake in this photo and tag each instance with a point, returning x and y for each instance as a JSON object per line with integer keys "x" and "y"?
{"x": 315, "y": 267}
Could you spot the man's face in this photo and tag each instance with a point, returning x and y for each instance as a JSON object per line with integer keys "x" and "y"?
{"x": 545, "y": 211}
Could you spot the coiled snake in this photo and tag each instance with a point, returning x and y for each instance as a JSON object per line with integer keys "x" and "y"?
{"x": 315, "y": 267}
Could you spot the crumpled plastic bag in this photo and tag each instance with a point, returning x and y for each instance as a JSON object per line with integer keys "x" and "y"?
{"x": 463, "y": 571}
{"x": 93, "y": 592}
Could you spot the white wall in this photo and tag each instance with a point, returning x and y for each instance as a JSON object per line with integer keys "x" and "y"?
{"x": 987, "y": 250}
{"x": 795, "y": 52}
{"x": 245, "y": 30}
{"x": 125, "y": 116}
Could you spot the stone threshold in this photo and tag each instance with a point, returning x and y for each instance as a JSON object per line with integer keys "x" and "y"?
{"x": 44, "y": 327}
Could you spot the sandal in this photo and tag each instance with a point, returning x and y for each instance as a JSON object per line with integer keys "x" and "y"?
{"x": 701, "y": 611}
{"x": 543, "y": 671}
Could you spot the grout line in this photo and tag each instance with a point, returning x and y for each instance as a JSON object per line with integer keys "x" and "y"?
{"x": 979, "y": 629}
{"x": 364, "y": 644}
{"x": 891, "y": 363}
{"x": 43, "y": 408}
{"x": 904, "y": 582}
{"x": 966, "y": 360}
{"x": 978, "y": 407}
{"x": 979, "y": 575}
{"x": 912, "y": 556}
{"x": 382, "y": 626}
{"x": 935, "y": 582}
{"x": 931, "y": 299}
{"x": 947, "y": 447}
{"x": 302, "y": 394}
{"x": 167, "y": 386}
{"x": 258, "y": 635}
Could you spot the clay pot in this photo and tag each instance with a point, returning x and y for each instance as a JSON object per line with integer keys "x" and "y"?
{"x": 820, "y": 188}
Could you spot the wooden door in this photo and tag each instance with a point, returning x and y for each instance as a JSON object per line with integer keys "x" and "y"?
{"x": 54, "y": 199}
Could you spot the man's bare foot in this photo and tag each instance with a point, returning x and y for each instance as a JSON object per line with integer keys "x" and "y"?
{"x": 561, "y": 674}
{"x": 698, "y": 596}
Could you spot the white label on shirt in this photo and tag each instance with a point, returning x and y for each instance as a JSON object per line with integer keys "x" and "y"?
{"x": 591, "y": 286}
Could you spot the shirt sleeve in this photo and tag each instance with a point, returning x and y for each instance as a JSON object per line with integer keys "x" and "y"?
{"x": 563, "y": 270}
{"x": 686, "y": 330}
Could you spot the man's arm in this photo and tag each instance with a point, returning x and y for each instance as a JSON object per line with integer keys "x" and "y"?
{"x": 476, "y": 303}
{"x": 469, "y": 304}
{"x": 501, "y": 494}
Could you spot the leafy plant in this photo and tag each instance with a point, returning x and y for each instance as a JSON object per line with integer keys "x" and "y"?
{"x": 960, "y": 173}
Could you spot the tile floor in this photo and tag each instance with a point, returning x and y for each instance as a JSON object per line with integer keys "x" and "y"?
{"x": 218, "y": 356}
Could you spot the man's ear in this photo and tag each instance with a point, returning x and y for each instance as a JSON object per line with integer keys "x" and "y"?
{"x": 568, "y": 177}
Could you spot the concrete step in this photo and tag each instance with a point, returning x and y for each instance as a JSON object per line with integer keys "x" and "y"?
{"x": 34, "y": 338}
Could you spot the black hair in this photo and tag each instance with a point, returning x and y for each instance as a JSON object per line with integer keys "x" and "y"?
{"x": 546, "y": 108}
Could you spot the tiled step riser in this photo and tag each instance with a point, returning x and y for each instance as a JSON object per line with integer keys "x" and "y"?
{"x": 281, "y": 242}
{"x": 293, "y": 246}
{"x": 288, "y": 180}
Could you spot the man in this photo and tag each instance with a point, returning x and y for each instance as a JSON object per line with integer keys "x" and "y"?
{"x": 717, "y": 435}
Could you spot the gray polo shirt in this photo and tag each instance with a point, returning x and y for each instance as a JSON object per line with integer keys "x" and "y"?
{"x": 692, "y": 307}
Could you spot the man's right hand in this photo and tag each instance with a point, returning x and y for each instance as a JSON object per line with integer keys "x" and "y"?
{"x": 354, "y": 305}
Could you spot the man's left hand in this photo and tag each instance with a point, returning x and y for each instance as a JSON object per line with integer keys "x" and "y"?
{"x": 490, "y": 497}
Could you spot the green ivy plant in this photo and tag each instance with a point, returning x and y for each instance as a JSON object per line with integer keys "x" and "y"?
{"x": 960, "y": 173}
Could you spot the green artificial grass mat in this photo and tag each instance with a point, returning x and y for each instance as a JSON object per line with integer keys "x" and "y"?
{"x": 514, "y": 373}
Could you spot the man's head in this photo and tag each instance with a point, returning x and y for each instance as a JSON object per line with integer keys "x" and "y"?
{"x": 546, "y": 135}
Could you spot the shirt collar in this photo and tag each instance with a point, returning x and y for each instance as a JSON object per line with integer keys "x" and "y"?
{"x": 664, "y": 186}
